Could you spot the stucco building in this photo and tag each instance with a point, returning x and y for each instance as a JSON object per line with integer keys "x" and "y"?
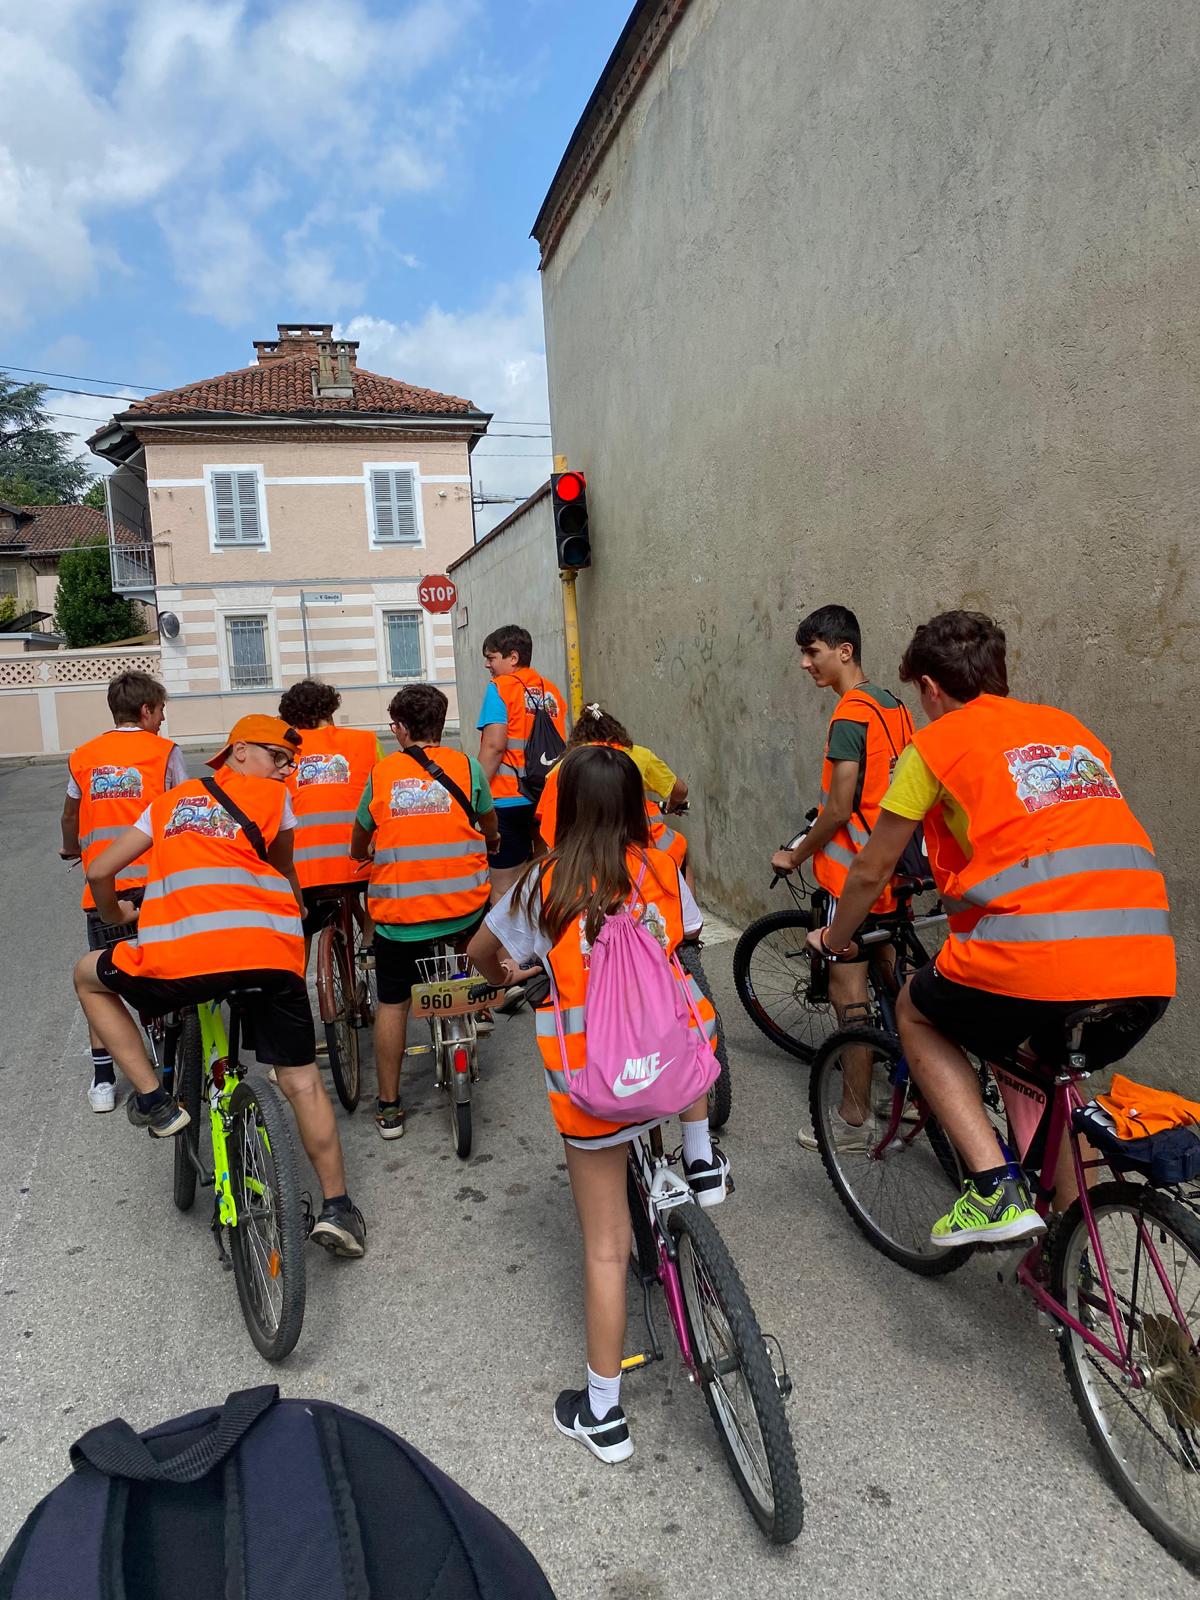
{"x": 33, "y": 539}
{"x": 279, "y": 519}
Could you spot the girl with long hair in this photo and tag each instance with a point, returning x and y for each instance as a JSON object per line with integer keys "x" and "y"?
{"x": 602, "y": 860}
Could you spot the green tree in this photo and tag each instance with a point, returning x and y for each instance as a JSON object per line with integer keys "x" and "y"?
{"x": 37, "y": 464}
{"x": 86, "y": 611}
{"x": 95, "y": 496}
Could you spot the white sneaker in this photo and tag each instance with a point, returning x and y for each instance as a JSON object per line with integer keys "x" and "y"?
{"x": 102, "y": 1096}
{"x": 847, "y": 1138}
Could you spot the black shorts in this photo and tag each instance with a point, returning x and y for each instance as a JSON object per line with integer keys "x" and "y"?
{"x": 994, "y": 1026}
{"x": 322, "y": 903}
{"x": 396, "y": 968}
{"x": 279, "y": 1014}
{"x": 100, "y": 936}
{"x": 516, "y": 836}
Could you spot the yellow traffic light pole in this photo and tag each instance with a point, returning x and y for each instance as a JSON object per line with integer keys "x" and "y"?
{"x": 571, "y": 627}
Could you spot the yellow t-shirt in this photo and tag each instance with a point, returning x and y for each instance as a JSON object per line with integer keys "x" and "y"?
{"x": 656, "y": 774}
{"x": 914, "y": 791}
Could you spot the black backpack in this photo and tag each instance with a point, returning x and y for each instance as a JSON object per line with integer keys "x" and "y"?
{"x": 544, "y": 746}
{"x": 262, "y": 1499}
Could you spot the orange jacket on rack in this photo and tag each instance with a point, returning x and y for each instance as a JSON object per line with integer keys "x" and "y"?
{"x": 888, "y": 730}
{"x": 430, "y": 864}
{"x": 662, "y": 837}
{"x": 326, "y": 788}
{"x": 118, "y": 774}
{"x": 568, "y": 963}
{"x": 1061, "y": 897}
{"x": 516, "y": 689}
{"x": 211, "y": 905}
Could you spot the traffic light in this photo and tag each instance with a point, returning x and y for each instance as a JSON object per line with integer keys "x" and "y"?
{"x": 568, "y": 496}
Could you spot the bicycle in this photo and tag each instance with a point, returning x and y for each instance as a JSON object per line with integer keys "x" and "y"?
{"x": 742, "y": 1374}
{"x": 343, "y": 992}
{"x": 448, "y": 997}
{"x": 1108, "y": 1275}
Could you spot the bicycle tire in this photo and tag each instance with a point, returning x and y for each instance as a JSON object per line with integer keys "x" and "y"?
{"x": 814, "y": 1018}
{"x": 189, "y": 1078}
{"x": 336, "y": 987}
{"x": 781, "y": 1516}
{"x": 258, "y": 1102}
{"x": 460, "y": 1126}
{"x": 460, "y": 1110}
{"x": 645, "y": 1246}
{"x": 720, "y": 1094}
{"x": 934, "y": 1184}
{"x": 1172, "y": 1400}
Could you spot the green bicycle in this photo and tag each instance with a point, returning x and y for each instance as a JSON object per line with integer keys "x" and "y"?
{"x": 258, "y": 1205}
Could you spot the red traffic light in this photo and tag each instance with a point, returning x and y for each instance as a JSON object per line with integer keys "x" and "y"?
{"x": 570, "y": 486}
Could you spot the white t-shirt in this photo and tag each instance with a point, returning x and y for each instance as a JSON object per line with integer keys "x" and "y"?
{"x": 288, "y": 820}
{"x": 517, "y": 929}
{"x": 177, "y": 771}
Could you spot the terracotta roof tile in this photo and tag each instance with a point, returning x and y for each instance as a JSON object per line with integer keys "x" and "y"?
{"x": 284, "y": 387}
{"x": 58, "y": 528}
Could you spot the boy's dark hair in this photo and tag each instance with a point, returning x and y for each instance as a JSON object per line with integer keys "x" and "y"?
{"x": 422, "y": 709}
{"x": 309, "y": 703}
{"x": 128, "y": 692}
{"x": 831, "y": 625}
{"x": 962, "y": 651}
{"x": 510, "y": 640}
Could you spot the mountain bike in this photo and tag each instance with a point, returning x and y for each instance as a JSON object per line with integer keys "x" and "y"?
{"x": 741, "y": 1373}
{"x": 449, "y": 996}
{"x": 343, "y": 992}
{"x": 258, "y": 1206}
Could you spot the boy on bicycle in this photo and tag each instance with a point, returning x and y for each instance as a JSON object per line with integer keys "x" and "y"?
{"x": 867, "y": 731}
{"x": 1054, "y": 895}
{"x": 221, "y": 912}
{"x": 427, "y": 824}
{"x": 111, "y": 780}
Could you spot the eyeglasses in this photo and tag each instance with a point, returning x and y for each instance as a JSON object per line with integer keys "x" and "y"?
{"x": 282, "y": 758}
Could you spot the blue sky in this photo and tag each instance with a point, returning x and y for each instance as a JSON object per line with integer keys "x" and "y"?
{"x": 177, "y": 176}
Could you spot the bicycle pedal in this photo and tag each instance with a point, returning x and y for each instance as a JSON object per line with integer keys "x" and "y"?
{"x": 632, "y": 1363}
{"x": 307, "y": 1221}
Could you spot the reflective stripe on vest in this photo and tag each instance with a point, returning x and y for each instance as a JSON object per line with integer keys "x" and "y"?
{"x": 203, "y": 877}
{"x": 884, "y": 727}
{"x": 1057, "y": 864}
{"x": 1053, "y": 926}
{"x": 430, "y": 864}
{"x": 429, "y": 852}
{"x": 220, "y": 922}
{"x": 428, "y": 887}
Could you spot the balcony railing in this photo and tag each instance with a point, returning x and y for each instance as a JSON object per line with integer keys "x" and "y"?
{"x": 130, "y": 553}
{"x": 132, "y": 567}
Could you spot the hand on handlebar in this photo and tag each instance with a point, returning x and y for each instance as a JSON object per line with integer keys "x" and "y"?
{"x": 815, "y": 945}
{"x": 129, "y": 913}
{"x": 782, "y": 861}
{"x": 517, "y": 974}
{"x": 70, "y": 855}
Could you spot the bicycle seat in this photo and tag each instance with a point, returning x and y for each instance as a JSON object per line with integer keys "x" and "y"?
{"x": 1106, "y": 1030}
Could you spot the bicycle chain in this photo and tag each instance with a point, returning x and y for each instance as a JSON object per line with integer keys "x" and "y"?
{"x": 1175, "y": 1454}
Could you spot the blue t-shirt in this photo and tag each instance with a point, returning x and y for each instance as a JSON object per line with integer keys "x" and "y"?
{"x": 492, "y": 711}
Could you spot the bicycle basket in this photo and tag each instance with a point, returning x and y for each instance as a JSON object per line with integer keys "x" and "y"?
{"x": 443, "y": 969}
{"x": 107, "y": 934}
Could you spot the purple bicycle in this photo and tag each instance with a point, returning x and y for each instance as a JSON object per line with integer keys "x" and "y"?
{"x": 741, "y": 1372}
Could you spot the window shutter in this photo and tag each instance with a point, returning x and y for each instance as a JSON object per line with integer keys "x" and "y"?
{"x": 405, "y": 501}
{"x": 235, "y": 502}
{"x": 247, "y": 500}
{"x": 225, "y": 507}
{"x": 395, "y": 499}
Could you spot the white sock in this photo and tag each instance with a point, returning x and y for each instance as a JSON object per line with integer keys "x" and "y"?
{"x": 697, "y": 1142}
{"x": 603, "y": 1394}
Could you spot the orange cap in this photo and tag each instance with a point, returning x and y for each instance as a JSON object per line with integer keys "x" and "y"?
{"x": 258, "y": 729}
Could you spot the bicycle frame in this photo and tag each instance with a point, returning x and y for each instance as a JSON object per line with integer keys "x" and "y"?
{"x": 219, "y": 1082}
{"x": 660, "y": 1190}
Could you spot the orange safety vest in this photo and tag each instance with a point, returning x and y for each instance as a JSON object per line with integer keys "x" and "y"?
{"x": 514, "y": 689}
{"x": 889, "y": 729}
{"x": 662, "y": 837}
{"x": 211, "y": 905}
{"x": 430, "y": 864}
{"x": 118, "y": 774}
{"x": 568, "y": 963}
{"x": 326, "y": 788}
{"x": 1061, "y": 897}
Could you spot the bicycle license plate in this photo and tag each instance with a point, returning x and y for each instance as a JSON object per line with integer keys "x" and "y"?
{"x": 451, "y": 997}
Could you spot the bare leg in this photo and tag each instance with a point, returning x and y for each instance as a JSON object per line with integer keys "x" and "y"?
{"x": 503, "y": 879}
{"x": 848, "y": 989}
{"x": 318, "y": 1130}
{"x": 391, "y": 1032}
{"x": 697, "y": 1111}
{"x": 598, "y": 1185}
{"x": 112, "y": 1026}
{"x": 948, "y": 1082}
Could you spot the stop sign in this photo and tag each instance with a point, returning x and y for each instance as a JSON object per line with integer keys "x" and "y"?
{"x": 437, "y": 593}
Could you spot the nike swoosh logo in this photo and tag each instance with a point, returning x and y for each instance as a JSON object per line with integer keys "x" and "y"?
{"x": 623, "y": 1090}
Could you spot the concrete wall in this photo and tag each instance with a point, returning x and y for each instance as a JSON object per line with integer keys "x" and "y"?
{"x": 897, "y": 306}
{"x": 510, "y": 576}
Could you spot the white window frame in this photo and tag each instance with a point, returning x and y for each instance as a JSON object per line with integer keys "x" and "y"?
{"x": 222, "y": 616}
{"x": 15, "y": 591}
{"x": 414, "y": 467}
{"x": 428, "y": 663}
{"x": 216, "y": 546}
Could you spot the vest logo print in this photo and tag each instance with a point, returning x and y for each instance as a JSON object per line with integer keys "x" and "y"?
{"x": 1050, "y": 775}
{"x": 322, "y": 769}
{"x": 200, "y": 816}
{"x": 116, "y": 783}
{"x": 414, "y": 797}
{"x": 638, "y": 1073}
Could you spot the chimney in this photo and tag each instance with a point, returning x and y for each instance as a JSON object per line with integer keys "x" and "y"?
{"x": 295, "y": 339}
{"x": 335, "y": 361}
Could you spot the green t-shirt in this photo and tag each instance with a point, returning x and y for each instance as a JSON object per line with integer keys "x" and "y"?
{"x": 412, "y": 932}
{"x": 848, "y": 740}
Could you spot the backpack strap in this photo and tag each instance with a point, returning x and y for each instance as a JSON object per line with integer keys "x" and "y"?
{"x": 415, "y": 753}
{"x": 876, "y": 710}
{"x": 251, "y": 829}
{"x": 118, "y": 1452}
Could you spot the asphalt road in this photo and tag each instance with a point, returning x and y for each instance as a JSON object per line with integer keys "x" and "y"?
{"x": 938, "y": 1447}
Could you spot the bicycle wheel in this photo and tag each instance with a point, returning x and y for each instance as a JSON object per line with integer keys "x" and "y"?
{"x": 267, "y": 1242}
{"x": 720, "y": 1095}
{"x": 775, "y": 983}
{"x": 189, "y": 1078}
{"x": 894, "y": 1196}
{"x": 336, "y": 986}
{"x": 1147, "y": 1437}
{"x": 734, "y": 1369}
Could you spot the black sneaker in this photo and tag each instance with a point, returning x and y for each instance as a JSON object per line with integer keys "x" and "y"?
{"x": 164, "y": 1120}
{"x": 709, "y": 1181}
{"x": 608, "y": 1439}
{"x": 340, "y": 1230}
{"x": 514, "y": 999}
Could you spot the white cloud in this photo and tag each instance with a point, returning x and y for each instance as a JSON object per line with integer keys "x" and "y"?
{"x": 494, "y": 355}
{"x": 79, "y": 416}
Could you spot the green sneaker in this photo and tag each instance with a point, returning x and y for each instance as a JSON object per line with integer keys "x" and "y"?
{"x": 1003, "y": 1217}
